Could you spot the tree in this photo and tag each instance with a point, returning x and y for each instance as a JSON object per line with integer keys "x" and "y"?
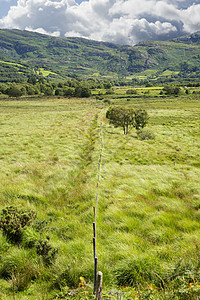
{"x": 121, "y": 117}
{"x": 32, "y": 79}
{"x": 68, "y": 92}
{"x": 126, "y": 118}
{"x": 82, "y": 92}
{"x": 107, "y": 84}
{"x": 171, "y": 90}
{"x": 14, "y": 92}
{"x": 131, "y": 92}
{"x": 140, "y": 119}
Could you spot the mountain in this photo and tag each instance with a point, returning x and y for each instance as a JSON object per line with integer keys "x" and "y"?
{"x": 189, "y": 39}
{"x": 23, "y": 53}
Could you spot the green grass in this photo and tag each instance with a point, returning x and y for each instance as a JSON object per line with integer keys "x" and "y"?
{"x": 10, "y": 63}
{"x": 45, "y": 73}
{"x": 148, "y": 210}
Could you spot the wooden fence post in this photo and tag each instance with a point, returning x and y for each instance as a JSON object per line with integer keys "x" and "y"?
{"x": 95, "y": 275}
{"x": 95, "y": 253}
{"x": 99, "y": 286}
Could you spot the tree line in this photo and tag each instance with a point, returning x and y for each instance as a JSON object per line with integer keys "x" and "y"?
{"x": 38, "y": 85}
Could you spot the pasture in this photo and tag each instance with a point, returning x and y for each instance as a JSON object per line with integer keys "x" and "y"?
{"x": 148, "y": 210}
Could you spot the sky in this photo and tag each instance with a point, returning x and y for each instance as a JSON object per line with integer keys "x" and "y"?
{"x": 116, "y": 21}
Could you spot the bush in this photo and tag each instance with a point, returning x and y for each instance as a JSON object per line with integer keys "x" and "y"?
{"x": 109, "y": 92}
{"x": 131, "y": 92}
{"x": 13, "y": 220}
{"x": 14, "y": 92}
{"x": 68, "y": 92}
{"x": 145, "y": 134}
{"x": 47, "y": 251}
{"x": 171, "y": 90}
{"x": 82, "y": 92}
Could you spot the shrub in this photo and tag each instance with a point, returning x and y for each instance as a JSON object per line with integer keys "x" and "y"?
{"x": 46, "y": 250}
{"x": 109, "y": 92}
{"x": 83, "y": 92}
{"x": 131, "y": 92}
{"x": 68, "y": 92}
{"x": 171, "y": 90}
{"x": 13, "y": 220}
{"x": 107, "y": 101}
{"x": 14, "y": 92}
{"x": 145, "y": 134}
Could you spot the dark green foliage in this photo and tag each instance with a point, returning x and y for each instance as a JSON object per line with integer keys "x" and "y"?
{"x": 126, "y": 118}
{"x": 109, "y": 92}
{"x": 141, "y": 118}
{"x": 121, "y": 117}
{"x": 14, "y": 92}
{"x": 171, "y": 90}
{"x": 46, "y": 250}
{"x": 59, "y": 92}
{"x": 13, "y": 220}
{"x": 32, "y": 79}
{"x": 82, "y": 92}
{"x": 131, "y": 92}
{"x": 107, "y": 84}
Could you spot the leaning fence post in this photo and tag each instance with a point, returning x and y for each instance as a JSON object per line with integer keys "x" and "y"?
{"x": 99, "y": 286}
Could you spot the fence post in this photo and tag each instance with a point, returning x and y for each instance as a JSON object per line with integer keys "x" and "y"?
{"x": 99, "y": 286}
{"x": 95, "y": 275}
{"x": 95, "y": 253}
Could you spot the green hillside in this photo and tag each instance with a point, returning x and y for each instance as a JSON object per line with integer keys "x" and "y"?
{"x": 59, "y": 58}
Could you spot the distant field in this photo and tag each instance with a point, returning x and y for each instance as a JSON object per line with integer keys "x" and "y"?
{"x": 45, "y": 73}
{"x": 148, "y": 218}
{"x": 10, "y": 63}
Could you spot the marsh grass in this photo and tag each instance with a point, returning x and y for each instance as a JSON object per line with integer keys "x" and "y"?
{"x": 148, "y": 211}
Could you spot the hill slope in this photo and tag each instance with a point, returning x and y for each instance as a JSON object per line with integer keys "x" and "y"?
{"x": 31, "y": 52}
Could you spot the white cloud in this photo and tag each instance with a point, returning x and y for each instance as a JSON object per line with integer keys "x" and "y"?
{"x": 191, "y": 18}
{"x": 119, "y": 21}
{"x": 41, "y": 30}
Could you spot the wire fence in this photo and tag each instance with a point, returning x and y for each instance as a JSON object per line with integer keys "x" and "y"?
{"x": 97, "y": 275}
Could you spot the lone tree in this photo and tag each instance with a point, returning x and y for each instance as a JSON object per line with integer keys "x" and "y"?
{"x": 127, "y": 118}
{"x": 121, "y": 117}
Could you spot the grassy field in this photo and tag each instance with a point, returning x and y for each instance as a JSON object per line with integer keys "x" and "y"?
{"x": 148, "y": 216}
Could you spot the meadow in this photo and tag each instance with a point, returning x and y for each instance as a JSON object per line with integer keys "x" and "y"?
{"x": 148, "y": 210}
